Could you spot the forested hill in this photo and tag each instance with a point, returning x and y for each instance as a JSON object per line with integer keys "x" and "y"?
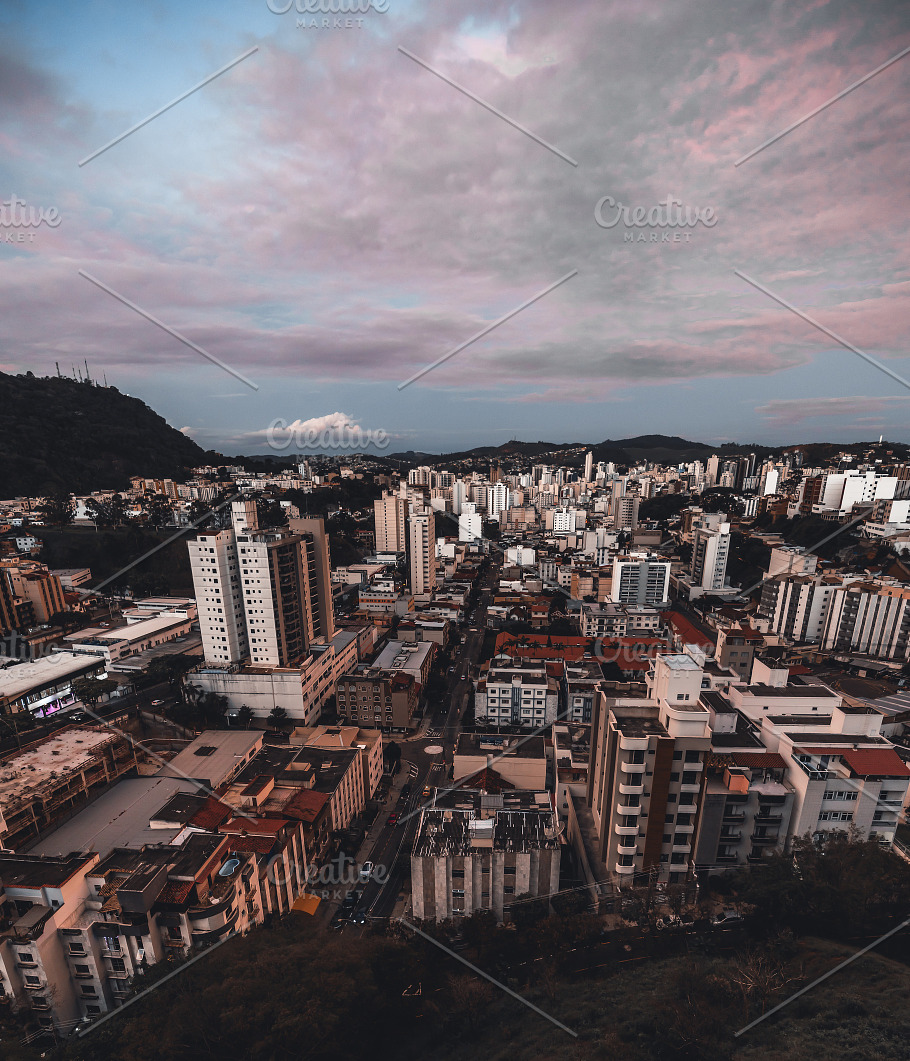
{"x": 57, "y": 433}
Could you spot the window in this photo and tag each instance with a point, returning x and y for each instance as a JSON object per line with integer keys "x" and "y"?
{"x": 77, "y": 948}
{"x": 93, "y": 1011}
{"x": 693, "y": 756}
{"x": 669, "y": 819}
{"x": 89, "y": 991}
{"x": 82, "y": 969}
{"x": 118, "y": 965}
{"x": 689, "y": 777}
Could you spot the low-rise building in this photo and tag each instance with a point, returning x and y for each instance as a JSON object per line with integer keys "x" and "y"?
{"x": 369, "y": 696}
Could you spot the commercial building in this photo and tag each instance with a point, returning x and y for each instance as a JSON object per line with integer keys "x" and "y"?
{"x": 474, "y": 851}
{"x": 44, "y": 686}
{"x": 520, "y": 762}
{"x": 49, "y": 780}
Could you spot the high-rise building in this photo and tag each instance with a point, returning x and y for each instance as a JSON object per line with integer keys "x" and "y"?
{"x": 710, "y": 550}
{"x": 640, "y": 580}
{"x": 625, "y": 512}
{"x": 262, "y": 594}
{"x": 391, "y": 513}
{"x": 589, "y": 465}
{"x": 497, "y": 499}
{"x": 422, "y": 551}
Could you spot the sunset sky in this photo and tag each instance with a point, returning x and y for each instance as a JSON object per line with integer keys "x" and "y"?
{"x": 327, "y": 217}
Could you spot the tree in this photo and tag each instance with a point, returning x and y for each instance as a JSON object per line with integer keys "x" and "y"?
{"x": 90, "y": 690}
{"x": 158, "y": 511}
{"x": 67, "y": 621}
{"x": 107, "y": 511}
{"x": 244, "y": 716}
{"x": 279, "y": 718}
{"x": 392, "y": 752}
{"x": 57, "y": 509}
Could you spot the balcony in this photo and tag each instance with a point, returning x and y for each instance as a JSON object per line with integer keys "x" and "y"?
{"x": 627, "y": 843}
{"x": 768, "y": 819}
{"x": 727, "y": 858}
{"x": 626, "y": 830}
{"x": 624, "y": 870}
{"x": 685, "y": 828}
{"x": 632, "y": 768}
{"x": 733, "y": 816}
{"x": 623, "y": 809}
{"x": 731, "y": 835}
{"x": 681, "y": 847}
{"x": 41, "y": 1004}
{"x": 686, "y": 808}
{"x": 765, "y": 841}
{"x": 631, "y": 790}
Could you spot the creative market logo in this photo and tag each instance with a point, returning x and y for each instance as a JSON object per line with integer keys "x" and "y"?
{"x": 666, "y": 215}
{"x": 18, "y": 220}
{"x": 329, "y": 10}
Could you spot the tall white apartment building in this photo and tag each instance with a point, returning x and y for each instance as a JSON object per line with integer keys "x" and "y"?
{"x": 262, "y": 595}
{"x": 498, "y": 499}
{"x": 470, "y": 523}
{"x": 710, "y": 551}
{"x": 640, "y": 580}
{"x": 589, "y": 465}
{"x": 870, "y": 617}
{"x": 390, "y": 513}
{"x": 219, "y": 597}
{"x": 422, "y": 551}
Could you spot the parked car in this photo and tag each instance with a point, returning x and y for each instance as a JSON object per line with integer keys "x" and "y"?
{"x": 405, "y": 791}
{"x": 366, "y": 872}
{"x": 392, "y": 819}
{"x": 727, "y": 916}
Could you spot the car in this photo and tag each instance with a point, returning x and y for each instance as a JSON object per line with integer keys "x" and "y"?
{"x": 366, "y": 872}
{"x": 157, "y": 703}
{"x": 405, "y": 791}
{"x": 727, "y": 916}
{"x": 451, "y": 669}
{"x": 392, "y": 819}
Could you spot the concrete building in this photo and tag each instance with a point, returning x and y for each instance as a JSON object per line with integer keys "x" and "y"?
{"x": 390, "y": 513}
{"x": 422, "y": 551}
{"x": 517, "y": 693}
{"x": 520, "y": 762}
{"x": 40, "y": 785}
{"x": 475, "y": 851}
{"x": 710, "y": 551}
{"x": 640, "y": 579}
{"x": 44, "y": 686}
{"x": 380, "y": 699}
{"x": 647, "y": 762}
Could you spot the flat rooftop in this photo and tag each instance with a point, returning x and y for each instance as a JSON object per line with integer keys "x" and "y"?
{"x": 508, "y": 747}
{"x": 68, "y": 751}
{"x": 118, "y": 818}
{"x": 31, "y": 871}
{"x": 21, "y": 678}
{"x": 213, "y": 756}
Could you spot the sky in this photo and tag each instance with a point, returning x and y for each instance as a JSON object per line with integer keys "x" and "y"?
{"x": 329, "y": 216}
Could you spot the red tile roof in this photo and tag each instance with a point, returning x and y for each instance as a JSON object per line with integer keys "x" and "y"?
{"x": 264, "y": 826}
{"x": 759, "y": 759}
{"x": 211, "y": 814}
{"x": 876, "y": 762}
{"x": 259, "y": 845}
{"x": 305, "y": 805}
{"x": 488, "y": 779}
{"x": 175, "y": 891}
{"x": 687, "y": 631}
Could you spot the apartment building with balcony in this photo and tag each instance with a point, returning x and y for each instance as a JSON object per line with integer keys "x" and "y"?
{"x": 647, "y": 771}
{"x": 517, "y": 693}
{"x": 40, "y": 785}
{"x": 474, "y": 851}
{"x": 37, "y": 897}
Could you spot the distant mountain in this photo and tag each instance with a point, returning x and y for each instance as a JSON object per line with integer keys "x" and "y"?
{"x": 57, "y": 433}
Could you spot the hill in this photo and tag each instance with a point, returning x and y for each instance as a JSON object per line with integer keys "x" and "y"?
{"x": 57, "y": 433}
